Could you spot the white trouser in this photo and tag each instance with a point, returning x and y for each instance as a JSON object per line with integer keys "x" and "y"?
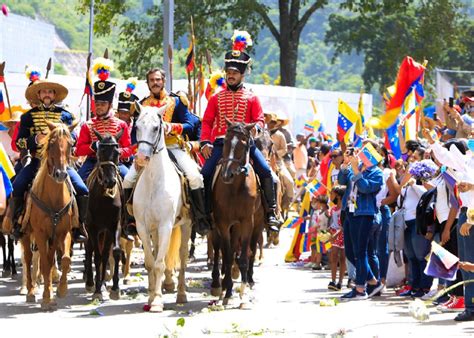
{"x": 287, "y": 181}
{"x": 189, "y": 167}
{"x": 185, "y": 162}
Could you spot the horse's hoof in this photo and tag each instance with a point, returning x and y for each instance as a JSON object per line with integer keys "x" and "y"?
{"x": 90, "y": 288}
{"x": 245, "y": 306}
{"x": 169, "y": 288}
{"x": 31, "y": 298}
{"x": 181, "y": 299}
{"x": 235, "y": 273}
{"x": 49, "y": 306}
{"x": 108, "y": 277}
{"x": 216, "y": 292}
{"x": 14, "y": 275}
{"x": 23, "y": 291}
{"x": 62, "y": 290}
{"x": 98, "y": 296}
{"x": 226, "y": 301}
{"x": 127, "y": 281}
{"x": 6, "y": 273}
{"x": 114, "y": 294}
{"x": 55, "y": 279}
{"x": 252, "y": 285}
{"x": 156, "y": 308}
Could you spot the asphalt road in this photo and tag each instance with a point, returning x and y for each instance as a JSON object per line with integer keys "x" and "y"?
{"x": 285, "y": 302}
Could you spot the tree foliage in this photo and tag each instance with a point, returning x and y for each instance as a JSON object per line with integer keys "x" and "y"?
{"x": 386, "y": 31}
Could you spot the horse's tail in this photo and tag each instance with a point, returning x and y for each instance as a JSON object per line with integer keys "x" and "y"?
{"x": 172, "y": 257}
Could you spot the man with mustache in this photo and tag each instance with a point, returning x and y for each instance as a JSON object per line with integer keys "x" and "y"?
{"x": 180, "y": 124}
{"x": 44, "y": 96}
{"x": 237, "y": 104}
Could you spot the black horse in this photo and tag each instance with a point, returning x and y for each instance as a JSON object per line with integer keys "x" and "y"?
{"x": 9, "y": 267}
{"x": 104, "y": 216}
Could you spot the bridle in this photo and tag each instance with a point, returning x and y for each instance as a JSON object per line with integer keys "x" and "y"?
{"x": 155, "y": 144}
{"x": 102, "y": 164}
{"x": 243, "y": 162}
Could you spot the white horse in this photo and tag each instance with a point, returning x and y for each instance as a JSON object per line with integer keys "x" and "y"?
{"x": 163, "y": 223}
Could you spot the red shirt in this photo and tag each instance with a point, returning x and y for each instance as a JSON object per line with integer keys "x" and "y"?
{"x": 239, "y": 106}
{"x": 111, "y": 126}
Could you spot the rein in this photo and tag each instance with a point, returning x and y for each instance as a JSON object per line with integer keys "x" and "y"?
{"x": 55, "y": 216}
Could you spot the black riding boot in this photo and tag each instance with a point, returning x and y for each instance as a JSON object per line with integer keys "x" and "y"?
{"x": 268, "y": 188}
{"x": 79, "y": 234}
{"x": 128, "y": 229}
{"x": 17, "y": 204}
{"x": 198, "y": 209}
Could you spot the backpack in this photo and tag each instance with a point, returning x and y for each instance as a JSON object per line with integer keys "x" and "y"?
{"x": 396, "y": 232}
{"x": 426, "y": 212}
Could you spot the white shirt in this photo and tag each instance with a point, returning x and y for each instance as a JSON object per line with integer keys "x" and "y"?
{"x": 463, "y": 164}
{"x": 412, "y": 197}
{"x": 384, "y": 189}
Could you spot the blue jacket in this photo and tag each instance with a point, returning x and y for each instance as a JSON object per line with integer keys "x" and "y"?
{"x": 368, "y": 183}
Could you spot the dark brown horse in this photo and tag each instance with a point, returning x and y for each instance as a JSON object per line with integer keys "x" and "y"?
{"x": 238, "y": 212}
{"x": 104, "y": 215}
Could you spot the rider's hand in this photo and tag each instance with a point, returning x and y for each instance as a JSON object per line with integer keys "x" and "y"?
{"x": 206, "y": 150}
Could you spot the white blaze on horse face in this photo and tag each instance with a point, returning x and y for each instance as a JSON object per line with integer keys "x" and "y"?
{"x": 233, "y": 143}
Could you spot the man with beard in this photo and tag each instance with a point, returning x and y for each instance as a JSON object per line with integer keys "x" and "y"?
{"x": 44, "y": 95}
{"x": 180, "y": 125}
{"x": 237, "y": 104}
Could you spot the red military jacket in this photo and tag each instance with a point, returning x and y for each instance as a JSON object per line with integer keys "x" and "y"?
{"x": 239, "y": 106}
{"x": 112, "y": 126}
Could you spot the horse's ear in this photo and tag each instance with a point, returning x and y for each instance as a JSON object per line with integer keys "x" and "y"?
{"x": 229, "y": 122}
{"x": 97, "y": 134}
{"x": 73, "y": 126}
{"x": 119, "y": 135}
{"x": 162, "y": 110}
{"x": 50, "y": 124}
{"x": 138, "y": 107}
{"x": 250, "y": 126}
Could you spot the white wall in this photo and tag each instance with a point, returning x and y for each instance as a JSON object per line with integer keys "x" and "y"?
{"x": 294, "y": 102}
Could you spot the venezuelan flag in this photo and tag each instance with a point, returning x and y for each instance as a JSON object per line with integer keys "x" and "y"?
{"x": 2, "y": 104}
{"x": 190, "y": 57}
{"x": 409, "y": 75}
{"x": 295, "y": 251}
{"x": 369, "y": 156}
{"x": 5, "y": 163}
{"x": 346, "y": 119}
{"x": 315, "y": 188}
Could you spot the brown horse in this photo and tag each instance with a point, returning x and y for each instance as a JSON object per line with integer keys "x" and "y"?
{"x": 51, "y": 213}
{"x": 238, "y": 212}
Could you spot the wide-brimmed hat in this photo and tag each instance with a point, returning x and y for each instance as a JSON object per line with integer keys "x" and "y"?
{"x": 31, "y": 93}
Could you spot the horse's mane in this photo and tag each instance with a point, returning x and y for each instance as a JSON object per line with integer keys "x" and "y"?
{"x": 60, "y": 131}
{"x": 238, "y": 128}
{"x": 145, "y": 109}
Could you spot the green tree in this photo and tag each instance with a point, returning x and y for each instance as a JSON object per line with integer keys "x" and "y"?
{"x": 386, "y": 31}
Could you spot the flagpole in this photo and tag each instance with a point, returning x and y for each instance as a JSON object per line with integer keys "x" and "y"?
{"x": 48, "y": 68}
{"x": 194, "y": 68}
{"x": 170, "y": 60}
{"x": 2, "y": 76}
{"x": 89, "y": 56}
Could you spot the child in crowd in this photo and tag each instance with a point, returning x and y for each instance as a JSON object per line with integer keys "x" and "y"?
{"x": 336, "y": 254}
{"x": 319, "y": 221}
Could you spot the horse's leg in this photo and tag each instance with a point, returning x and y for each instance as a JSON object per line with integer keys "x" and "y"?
{"x": 27, "y": 254}
{"x": 46, "y": 260}
{"x": 6, "y": 272}
{"x": 193, "y": 245}
{"x": 253, "y": 251}
{"x": 126, "y": 267}
{"x": 149, "y": 259}
{"x": 11, "y": 254}
{"x": 210, "y": 249}
{"x": 23, "y": 289}
{"x": 65, "y": 246}
{"x": 36, "y": 276}
{"x": 98, "y": 266}
{"x": 111, "y": 264}
{"x": 183, "y": 255}
{"x": 244, "y": 262}
{"x": 227, "y": 260}
{"x": 117, "y": 254}
{"x": 88, "y": 262}
{"x": 216, "y": 289}
{"x": 164, "y": 236}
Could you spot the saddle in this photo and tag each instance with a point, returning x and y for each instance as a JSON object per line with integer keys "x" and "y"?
{"x": 182, "y": 178}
